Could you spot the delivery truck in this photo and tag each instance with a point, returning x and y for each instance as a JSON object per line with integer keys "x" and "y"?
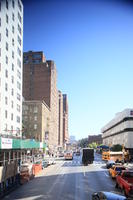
{"x": 87, "y": 156}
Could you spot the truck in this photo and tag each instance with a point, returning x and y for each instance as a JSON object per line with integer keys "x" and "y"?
{"x": 124, "y": 181}
{"x": 87, "y": 156}
{"x": 68, "y": 155}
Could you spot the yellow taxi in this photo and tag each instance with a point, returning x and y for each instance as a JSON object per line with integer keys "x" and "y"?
{"x": 115, "y": 169}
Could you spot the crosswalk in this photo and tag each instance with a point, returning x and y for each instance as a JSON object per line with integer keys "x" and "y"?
{"x": 72, "y": 163}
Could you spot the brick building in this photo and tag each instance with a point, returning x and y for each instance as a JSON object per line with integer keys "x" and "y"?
{"x": 65, "y": 119}
{"x": 60, "y": 124}
{"x": 39, "y": 83}
{"x": 95, "y": 138}
{"x": 36, "y": 116}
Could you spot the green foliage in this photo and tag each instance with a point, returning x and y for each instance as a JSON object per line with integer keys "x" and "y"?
{"x": 116, "y": 147}
{"x": 93, "y": 145}
{"x": 83, "y": 143}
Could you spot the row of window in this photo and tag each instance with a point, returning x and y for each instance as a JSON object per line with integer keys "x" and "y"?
{"x": 12, "y": 116}
{"x": 26, "y": 118}
{"x": 13, "y": 5}
{"x": 17, "y": 130}
{"x": 18, "y": 49}
{"x": 6, "y": 72}
{"x": 12, "y": 104}
{"x": 18, "y": 61}
{"x": 12, "y": 90}
{"x": 31, "y": 109}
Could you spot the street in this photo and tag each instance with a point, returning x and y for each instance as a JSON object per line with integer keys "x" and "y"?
{"x": 66, "y": 180}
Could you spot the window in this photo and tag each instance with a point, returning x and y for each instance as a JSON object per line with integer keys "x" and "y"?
{"x": 19, "y": 17}
{"x": 18, "y": 96}
{"x": 6, "y": 100}
{"x": 19, "y": 40}
{"x": 12, "y": 54}
{"x": 19, "y": 63}
{"x": 19, "y": 29}
{"x": 18, "y": 108}
{"x": 19, "y": 5}
{"x": 6, "y": 46}
{"x": 7, "y": 19}
{"x": 12, "y": 92}
{"x": 35, "y": 118}
{"x": 6, "y": 32}
{"x": 13, "y": 4}
{"x": 12, "y": 67}
{"x": 35, "y": 126}
{"x": 12, "y": 116}
{"x": 18, "y": 119}
{"x": 12, "y": 104}
{"x": 12, "y": 128}
{"x": 7, "y": 4}
{"x": 12, "y": 29}
{"x": 18, "y": 85}
{"x": 12, "y": 79}
{"x": 6, "y": 73}
{"x": 13, "y": 16}
{"x": 19, "y": 51}
{"x": 5, "y": 113}
{"x": 6, "y": 87}
{"x": 35, "y": 109}
{"x": 12, "y": 42}
{"x": 18, "y": 74}
{"x": 6, "y": 60}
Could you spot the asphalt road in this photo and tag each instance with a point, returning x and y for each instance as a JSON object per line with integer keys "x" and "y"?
{"x": 66, "y": 180}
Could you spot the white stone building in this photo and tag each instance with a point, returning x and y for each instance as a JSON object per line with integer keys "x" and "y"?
{"x": 119, "y": 130}
{"x": 11, "y": 64}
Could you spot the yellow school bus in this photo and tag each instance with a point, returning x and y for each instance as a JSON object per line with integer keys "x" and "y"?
{"x": 111, "y": 155}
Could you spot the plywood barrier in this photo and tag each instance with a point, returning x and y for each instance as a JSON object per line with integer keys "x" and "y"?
{"x": 37, "y": 168}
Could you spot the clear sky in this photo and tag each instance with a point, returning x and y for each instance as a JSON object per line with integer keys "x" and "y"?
{"x": 91, "y": 43}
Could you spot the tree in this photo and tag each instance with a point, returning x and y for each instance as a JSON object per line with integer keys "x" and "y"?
{"x": 83, "y": 142}
{"x": 93, "y": 145}
{"x": 116, "y": 147}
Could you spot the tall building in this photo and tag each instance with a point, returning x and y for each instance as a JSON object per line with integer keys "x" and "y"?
{"x": 39, "y": 83}
{"x": 11, "y": 56}
{"x": 60, "y": 124}
{"x": 65, "y": 119}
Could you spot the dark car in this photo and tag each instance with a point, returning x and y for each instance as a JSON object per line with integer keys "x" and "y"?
{"x": 110, "y": 163}
{"x": 107, "y": 196}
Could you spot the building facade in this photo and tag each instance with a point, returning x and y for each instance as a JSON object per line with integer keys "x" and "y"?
{"x": 65, "y": 120}
{"x": 36, "y": 117}
{"x": 39, "y": 83}
{"x": 95, "y": 138}
{"x": 11, "y": 67}
{"x": 119, "y": 130}
{"x": 60, "y": 124}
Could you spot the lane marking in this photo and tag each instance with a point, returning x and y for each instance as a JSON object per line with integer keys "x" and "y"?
{"x": 106, "y": 174}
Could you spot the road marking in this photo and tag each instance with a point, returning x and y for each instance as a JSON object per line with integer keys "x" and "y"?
{"x": 106, "y": 174}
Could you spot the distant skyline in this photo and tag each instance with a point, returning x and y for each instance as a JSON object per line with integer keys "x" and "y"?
{"x": 91, "y": 43}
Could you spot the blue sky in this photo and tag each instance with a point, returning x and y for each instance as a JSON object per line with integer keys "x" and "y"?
{"x": 91, "y": 43}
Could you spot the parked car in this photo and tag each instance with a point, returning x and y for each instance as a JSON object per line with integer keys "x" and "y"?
{"x": 45, "y": 164}
{"x": 110, "y": 163}
{"x": 114, "y": 170}
{"x": 125, "y": 182}
{"x": 107, "y": 196}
